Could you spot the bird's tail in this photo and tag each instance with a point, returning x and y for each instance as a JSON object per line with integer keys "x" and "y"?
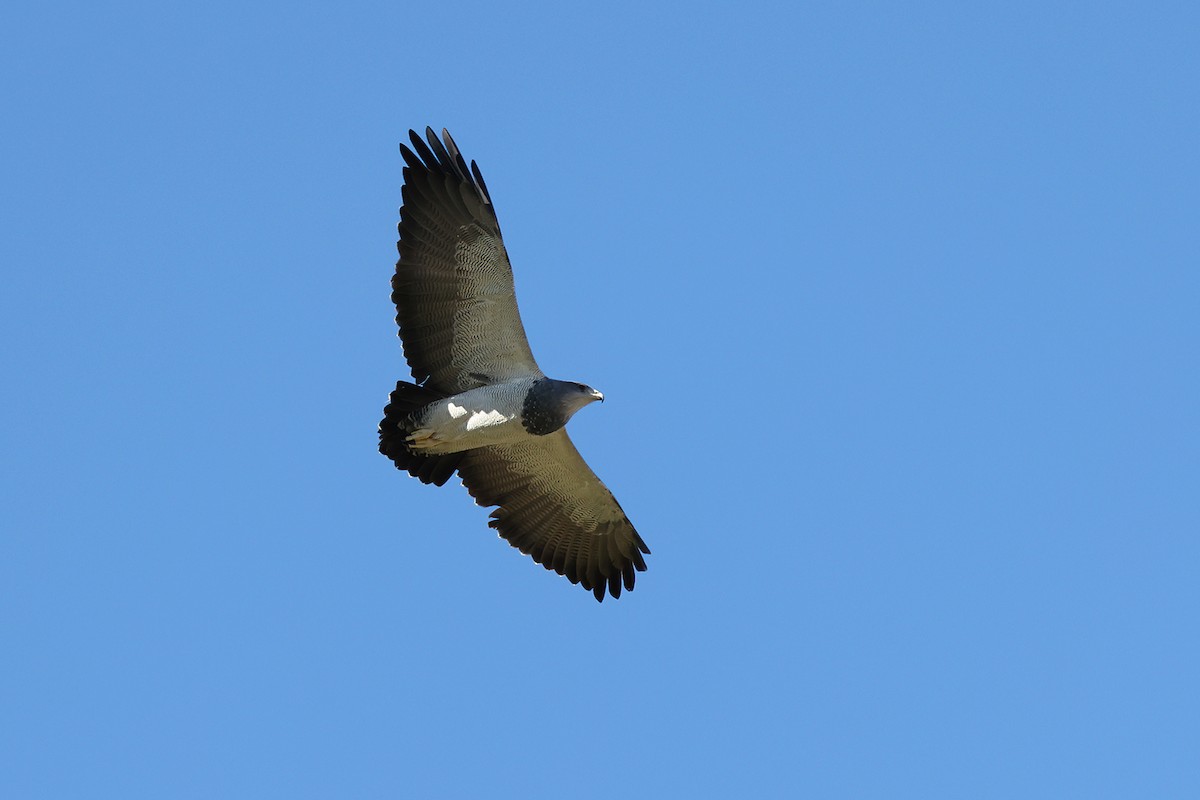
{"x": 396, "y": 424}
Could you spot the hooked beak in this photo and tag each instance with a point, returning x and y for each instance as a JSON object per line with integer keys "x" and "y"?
{"x": 597, "y": 396}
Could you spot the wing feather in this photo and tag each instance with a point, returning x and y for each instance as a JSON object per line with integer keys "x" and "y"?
{"x": 553, "y": 508}
{"x": 453, "y": 288}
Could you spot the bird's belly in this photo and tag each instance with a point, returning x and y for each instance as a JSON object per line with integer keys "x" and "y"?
{"x": 475, "y": 418}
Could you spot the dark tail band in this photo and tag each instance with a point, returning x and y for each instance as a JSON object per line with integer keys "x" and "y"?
{"x": 395, "y": 425}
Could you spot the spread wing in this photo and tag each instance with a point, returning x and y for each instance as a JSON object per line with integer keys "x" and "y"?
{"x": 555, "y": 509}
{"x": 453, "y": 287}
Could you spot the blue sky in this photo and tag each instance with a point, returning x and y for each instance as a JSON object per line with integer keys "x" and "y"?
{"x": 896, "y": 313}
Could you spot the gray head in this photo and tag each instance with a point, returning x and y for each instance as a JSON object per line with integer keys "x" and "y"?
{"x": 550, "y": 403}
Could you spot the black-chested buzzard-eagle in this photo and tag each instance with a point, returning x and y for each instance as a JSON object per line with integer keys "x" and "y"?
{"x": 479, "y": 405}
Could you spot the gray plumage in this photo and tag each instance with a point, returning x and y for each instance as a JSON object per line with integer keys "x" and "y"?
{"x": 480, "y": 406}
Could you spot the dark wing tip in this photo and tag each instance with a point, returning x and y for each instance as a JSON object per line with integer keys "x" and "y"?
{"x": 614, "y": 583}
{"x": 615, "y": 568}
{"x": 442, "y": 157}
{"x": 428, "y": 160}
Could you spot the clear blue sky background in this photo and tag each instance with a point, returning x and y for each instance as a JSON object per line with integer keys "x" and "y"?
{"x": 895, "y": 308}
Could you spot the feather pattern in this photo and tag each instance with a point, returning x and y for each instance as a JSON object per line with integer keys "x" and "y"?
{"x": 453, "y": 288}
{"x": 554, "y": 509}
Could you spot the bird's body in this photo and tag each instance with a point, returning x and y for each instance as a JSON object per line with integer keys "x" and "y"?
{"x": 495, "y": 414}
{"x": 480, "y": 406}
{"x": 488, "y": 415}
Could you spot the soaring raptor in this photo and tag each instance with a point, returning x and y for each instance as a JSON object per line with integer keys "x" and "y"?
{"x": 478, "y": 404}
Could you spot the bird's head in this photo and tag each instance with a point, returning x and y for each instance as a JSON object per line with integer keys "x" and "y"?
{"x": 577, "y": 395}
{"x": 550, "y": 403}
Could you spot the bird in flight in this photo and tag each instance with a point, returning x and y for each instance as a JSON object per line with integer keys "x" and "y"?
{"x": 478, "y": 404}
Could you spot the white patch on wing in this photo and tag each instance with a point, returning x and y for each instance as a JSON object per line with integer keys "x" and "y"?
{"x": 456, "y": 412}
{"x": 484, "y": 419}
